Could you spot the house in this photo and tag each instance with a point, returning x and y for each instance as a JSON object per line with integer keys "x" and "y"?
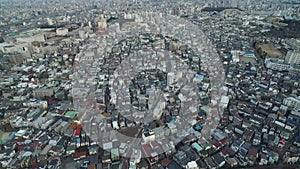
{"x": 172, "y": 127}
{"x": 46, "y": 149}
{"x": 107, "y": 146}
{"x": 246, "y": 123}
{"x": 152, "y": 156}
{"x": 235, "y": 146}
{"x": 252, "y": 154}
{"x": 196, "y": 147}
{"x": 79, "y": 155}
{"x": 9, "y": 153}
{"x": 154, "y": 145}
{"x": 43, "y": 92}
{"x": 210, "y": 163}
{"x": 191, "y": 155}
{"x": 242, "y": 161}
{"x": 93, "y": 149}
{"x": 181, "y": 158}
{"x": 165, "y": 162}
{"x": 135, "y": 157}
{"x": 115, "y": 154}
{"x": 115, "y": 125}
{"x": 192, "y": 165}
{"x": 224, "y": 153}
{"x": 256, "y": 139}
{"x": 263, "y": 159}
{"x": 289, "y": 158}
{"x": 57, "y": 150}
{"x": 294, "y": 116}
{"x": 297, "y": 140}
{"x": 122, "y": 148}
{"x": 219, "y": 160}
{"x": 232, "y": 161}
{"x": 106, "y": 165}
{"x": 224, "y": 101}
{"x": 219, "y": 135}
{"x": 141, "y": 165}
{"x": 285, "y": 134}
{"x": 205, "y": 144}
{"x": 70, "y": 149}
{"x": 161, "y": 132}
{"x": 273, "y": 157}
{"x": 239, "y": 130}
{"x": 174, "y": 165}
{"x": 168, "y": 146}
{"x": 230, "y": 151}
{"x": 189, "y": 138}
{"x": 216, "y": 145}
{"x": 201, "y": 164}
{"x": 248, "y": 134}
{"x": 265, "y": 138}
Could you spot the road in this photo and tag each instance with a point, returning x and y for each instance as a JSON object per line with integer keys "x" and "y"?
{"x": 136, "y": 142}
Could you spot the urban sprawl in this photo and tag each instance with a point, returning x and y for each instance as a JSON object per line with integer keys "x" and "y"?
{"x": 149, "y": 84}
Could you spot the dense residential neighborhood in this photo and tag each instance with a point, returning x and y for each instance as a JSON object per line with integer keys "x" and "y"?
{"x": 150, "y": 84}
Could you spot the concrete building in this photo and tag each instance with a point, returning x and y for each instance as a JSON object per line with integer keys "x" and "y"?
{"x": 292, "y": 102}
{"x": 102, "y": 23}
{"x": 192, "y": 165}
{"x": 276, "y": 64}
{"x": 148, "y": 136}
{"x": 158, "y": 110}
{"x": 292, "y": 57}
{"x": 32, "y": 36}
{"x": 43, "y": 92}
{"x": 62, "y": 31}
{"x": 16, "y": 58}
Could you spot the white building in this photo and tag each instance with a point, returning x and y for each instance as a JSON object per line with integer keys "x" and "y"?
{"x": 292, "y": 57}
{"x": 276, "y": 64}
{"x": 161, "y": 132}
{"x": 235, "y": 56}
{"x": 102, "y": 23}
{"x": 292, "y": 102}
{"x": 128, "y": 16}
{"x": 115, "y": 125}
{"x": 148, "y": 136}
{"x": 172, "y": 127}
{"x": 192, "y": 165}
{"x": 135, "y": 157}
{"x": 172, "y": 77}
{"x": 158, "y": 110}
{"x": 62, "y": 31}
{"x": 224, "y": 101}
{"x": 82, "y": 34}
{"x": 31, "y": 36}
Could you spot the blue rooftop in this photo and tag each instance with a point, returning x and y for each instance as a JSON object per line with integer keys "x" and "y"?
{"x": 197, "y": 147}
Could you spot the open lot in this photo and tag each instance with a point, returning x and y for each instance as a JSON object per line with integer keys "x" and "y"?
{"x": 4, "y": 135}
{"x": 130, "y": 131}
{"x": 270, "y": 50}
